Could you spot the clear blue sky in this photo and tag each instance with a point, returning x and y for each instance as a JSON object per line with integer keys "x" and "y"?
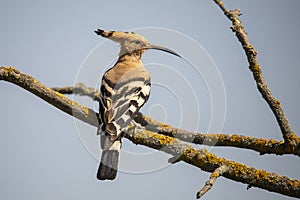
{"x": 46, "y": 154}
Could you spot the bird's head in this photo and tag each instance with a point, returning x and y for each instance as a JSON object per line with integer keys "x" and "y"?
{"x": 131, "y": 43}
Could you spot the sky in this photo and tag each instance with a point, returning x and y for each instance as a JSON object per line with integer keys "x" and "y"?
{"x": 46, "y": 154}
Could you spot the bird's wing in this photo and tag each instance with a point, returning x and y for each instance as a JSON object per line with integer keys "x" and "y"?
{"x": 121, "y": 102}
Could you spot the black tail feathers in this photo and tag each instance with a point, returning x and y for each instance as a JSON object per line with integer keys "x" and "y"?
{"x": 109, "y": 165}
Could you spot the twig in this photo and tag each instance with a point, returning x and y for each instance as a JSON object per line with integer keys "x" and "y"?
{"x": 212, "y": 179}
{"x": 200, "y": 158}
{"x": 80, "y": 89}
{"x": 237, "y": 27}
{"x": 263, "y": 146}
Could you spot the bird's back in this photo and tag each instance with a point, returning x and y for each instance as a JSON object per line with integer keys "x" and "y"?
{"x": 124, "y": 89}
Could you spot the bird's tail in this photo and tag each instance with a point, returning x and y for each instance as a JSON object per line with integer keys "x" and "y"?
{"x": 109, "y": 160}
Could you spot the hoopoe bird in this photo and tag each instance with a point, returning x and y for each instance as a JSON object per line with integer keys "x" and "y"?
{"x": 125, "y": 88}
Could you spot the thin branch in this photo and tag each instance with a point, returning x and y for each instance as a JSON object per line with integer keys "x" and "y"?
{"x": 200, "y": 158}
{"x": 263, "y": 146}
{"x": 212, "y": 179}
{"x": 80, "y": 89}
{"x": 237, "y": 27}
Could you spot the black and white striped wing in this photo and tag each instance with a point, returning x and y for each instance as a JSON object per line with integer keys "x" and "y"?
{"x": 121, "y": 103}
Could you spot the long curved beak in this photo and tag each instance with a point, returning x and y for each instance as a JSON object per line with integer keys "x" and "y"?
{"x": 151, "y": 46}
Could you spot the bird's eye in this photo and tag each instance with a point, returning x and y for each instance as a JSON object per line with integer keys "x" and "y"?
{"x": 137, "y": 42}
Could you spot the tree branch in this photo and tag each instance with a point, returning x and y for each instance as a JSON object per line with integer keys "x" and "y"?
{"x": 237, "y": 27}
{"x": 80, "y": 89}
{"x": 263, "y": 146}
{"x": 55, "y": 98}
{"x": 212, "y": 179}
{"x": 208, "y": 162}
{"x": 200, "y": 158}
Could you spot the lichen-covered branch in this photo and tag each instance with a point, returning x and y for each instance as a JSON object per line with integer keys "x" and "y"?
{"x": 200, "y": 158}
{"x": 209, "y": 162}
{"x": 263, "y": 146}
{"x": 237, "y": 27}
{"x": 55, "y": 98}
{"x": 212, "y": 179}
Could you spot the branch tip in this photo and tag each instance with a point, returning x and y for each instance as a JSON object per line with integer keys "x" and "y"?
{"x": 212, "y": 179}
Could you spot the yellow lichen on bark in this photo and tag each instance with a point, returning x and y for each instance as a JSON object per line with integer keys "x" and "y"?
{"x": 255, "y": 68}
{"x": 60, "y": 95}
{"x": 163, "y": 140}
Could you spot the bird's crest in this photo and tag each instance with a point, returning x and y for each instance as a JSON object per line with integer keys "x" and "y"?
{"x": 131, "y": 42}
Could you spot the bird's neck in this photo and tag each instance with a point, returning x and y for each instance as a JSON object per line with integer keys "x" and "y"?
{"x": 132, "y": 57}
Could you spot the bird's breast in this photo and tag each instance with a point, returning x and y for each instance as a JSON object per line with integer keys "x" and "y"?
{"x": 125, "y": 73}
